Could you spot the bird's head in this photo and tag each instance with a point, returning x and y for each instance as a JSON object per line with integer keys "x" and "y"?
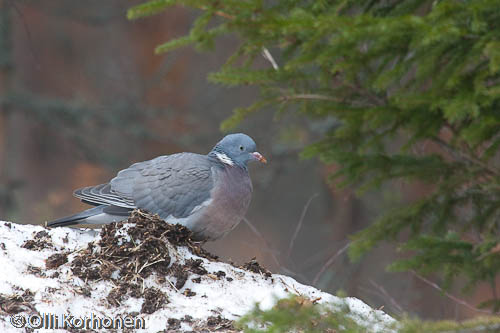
{"x": 237, "y": 149}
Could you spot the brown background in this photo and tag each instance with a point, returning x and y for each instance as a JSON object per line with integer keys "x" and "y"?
{"x": 83, "y": 96}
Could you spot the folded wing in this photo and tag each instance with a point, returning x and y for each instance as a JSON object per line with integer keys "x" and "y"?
{"x": 170, "y": 186}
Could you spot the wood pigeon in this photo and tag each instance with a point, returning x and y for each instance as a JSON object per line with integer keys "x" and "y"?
{"x": 209, "y": 194}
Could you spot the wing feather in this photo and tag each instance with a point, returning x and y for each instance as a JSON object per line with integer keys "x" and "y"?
{"x": 103, "y": 195}
{"x": 172, "y": 185}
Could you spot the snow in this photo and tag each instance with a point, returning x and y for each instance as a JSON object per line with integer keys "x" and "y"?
{"x": 63, "y": 293}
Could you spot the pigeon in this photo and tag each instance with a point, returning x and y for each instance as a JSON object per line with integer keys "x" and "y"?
{"x": 208, "y": 194}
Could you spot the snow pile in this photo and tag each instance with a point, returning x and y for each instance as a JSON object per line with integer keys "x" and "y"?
{"x": 140, "y": 274}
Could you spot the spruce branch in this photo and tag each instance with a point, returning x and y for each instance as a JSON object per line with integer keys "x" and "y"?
{"x": 463, "y": 157}
{"x": 404, "y": 70}
{"x": 286, "y": 98}
{"x": 265, "y": 52}
{"x": 364, "y": 92}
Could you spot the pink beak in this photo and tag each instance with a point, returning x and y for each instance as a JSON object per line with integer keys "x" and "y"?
{"x": 259, "y": 157}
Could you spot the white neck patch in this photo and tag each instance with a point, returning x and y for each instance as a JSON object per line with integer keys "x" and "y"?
{"x": 224, "y": 158}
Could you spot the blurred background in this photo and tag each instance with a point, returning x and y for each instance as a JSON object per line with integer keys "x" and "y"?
{"x": 83, "y": 96}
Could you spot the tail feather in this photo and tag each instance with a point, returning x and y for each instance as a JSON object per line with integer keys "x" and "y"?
{"x": 76, "y": 218}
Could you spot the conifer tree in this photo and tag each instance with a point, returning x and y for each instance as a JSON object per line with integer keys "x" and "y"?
{"x": 398, "y": 77}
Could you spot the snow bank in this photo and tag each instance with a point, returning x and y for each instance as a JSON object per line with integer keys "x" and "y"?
{"x": 136, "y": 274}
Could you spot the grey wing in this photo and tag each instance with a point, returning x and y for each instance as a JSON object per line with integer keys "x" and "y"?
{"x": 173, "y": 185}
{"x": 103, "y": 195}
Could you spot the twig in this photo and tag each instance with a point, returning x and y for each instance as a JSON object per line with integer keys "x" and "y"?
{"x": 464, "y": 157}
{"x": 387, "y": 295}
{"x": 219, "y": 13}
{"x": 222, "y": 14}
{"x": 266, "y": 54}
{"x": 309, "y": 97}
{"x": 494, "y": 288}
{"x": 289, "y": 287}
{"x": 317, "y": 257}
{"x": 330, "y": 262}
{"x": 28, "y": 34}
{"x": 377, "y": 101}
{"x": 269, "y": 250}
{"x": 450, "y": 296}
{"x": 299, "y": 224}
{"x": 371, "y": 291}
{"x": 149, "y": 264}
{"x": 171, "y": 284}
{"x": 251, "y": 243}
{"x": 256, "y": 232}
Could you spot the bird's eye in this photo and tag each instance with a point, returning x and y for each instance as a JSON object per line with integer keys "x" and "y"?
{"x": 241, "y": 147}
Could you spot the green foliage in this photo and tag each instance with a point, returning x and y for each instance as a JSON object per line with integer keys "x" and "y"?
{"x": 296, "y": 314}
{"x": 414, "y": 89}
{"x": 480, "y": 324}
{"x": 149, "y": 8}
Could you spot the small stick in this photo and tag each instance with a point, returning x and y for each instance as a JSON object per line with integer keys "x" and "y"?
{"x": 386, "y": 294}
{"x": 450, "y": 296}
{"x": 299, "y": 224}
{"x": 268, "y": 56}
{"x": 330, "y": 262}
{"x": 256, "y": 232}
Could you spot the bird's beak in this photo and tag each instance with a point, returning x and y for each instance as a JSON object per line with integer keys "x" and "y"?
{"x": 259, "y": 157}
